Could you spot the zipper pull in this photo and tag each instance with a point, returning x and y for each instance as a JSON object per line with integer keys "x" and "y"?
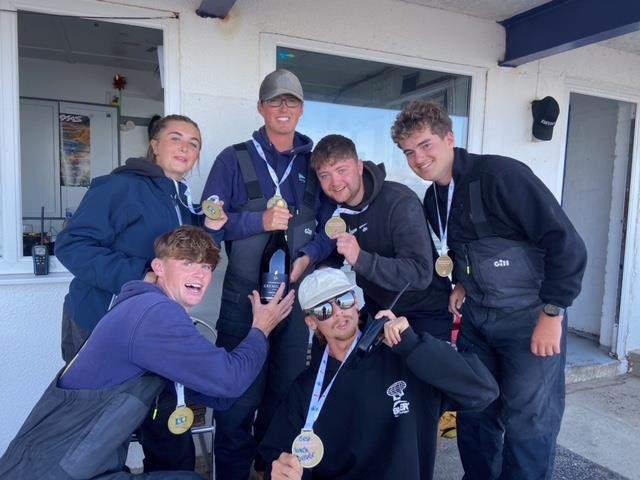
{"x": 466, "y": 257}
{"x": 155, "y": 410}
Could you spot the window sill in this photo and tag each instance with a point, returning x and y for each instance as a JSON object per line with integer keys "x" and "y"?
{"x": 31, "y": 279}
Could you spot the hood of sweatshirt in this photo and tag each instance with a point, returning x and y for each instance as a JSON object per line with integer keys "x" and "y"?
{"x": 373, "y": 178}
{"x": 140, "y": 166}
{"x": 135, "y": 288}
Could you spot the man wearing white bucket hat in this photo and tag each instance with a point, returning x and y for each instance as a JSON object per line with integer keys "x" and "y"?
{"x": 373, "y": 415}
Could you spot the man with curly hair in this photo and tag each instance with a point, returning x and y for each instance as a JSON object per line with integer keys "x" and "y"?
{"x": 517, "y": 264}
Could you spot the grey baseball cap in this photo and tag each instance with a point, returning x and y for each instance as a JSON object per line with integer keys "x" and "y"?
{"x": 280, "y": 82}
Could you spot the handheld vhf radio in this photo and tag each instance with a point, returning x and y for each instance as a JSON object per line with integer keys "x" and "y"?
{"x": 40, "y": 253}
{"x": 372, "y": 335}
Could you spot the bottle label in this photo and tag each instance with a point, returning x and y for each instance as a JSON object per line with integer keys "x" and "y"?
{"x": 270, "y": 284}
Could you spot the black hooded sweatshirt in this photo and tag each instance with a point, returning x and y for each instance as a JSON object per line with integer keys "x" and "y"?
{"x": 380, "y": 418}
{"x": 396, "y": 248}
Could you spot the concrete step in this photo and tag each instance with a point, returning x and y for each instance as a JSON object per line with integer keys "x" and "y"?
{"x": 634, "y": 362}
{"x": 587, "y": 361}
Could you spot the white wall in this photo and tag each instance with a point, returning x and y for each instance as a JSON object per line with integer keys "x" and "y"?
{"x": 29, "y": 347}
{"x": 221, "y": 68}
{"x": 142, "y": 96}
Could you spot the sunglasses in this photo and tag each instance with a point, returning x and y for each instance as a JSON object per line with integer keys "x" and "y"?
{"x": 291, "y": 102}
{"x": 324, "y": 311}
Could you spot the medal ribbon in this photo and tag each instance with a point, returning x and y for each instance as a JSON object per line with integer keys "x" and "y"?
{"x": 180, "y": 394}
{"x": 340, "y": 209}
{"x": 272, "y": 172}
{"x": 444, "y": 248}
{"x": 187, "y": 193}
{"x": 317, "y": 399}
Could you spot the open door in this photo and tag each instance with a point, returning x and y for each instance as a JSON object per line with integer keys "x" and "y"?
{"x": 595, "y": 197}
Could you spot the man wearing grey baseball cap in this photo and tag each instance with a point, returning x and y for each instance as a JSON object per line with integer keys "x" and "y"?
{"x": 269, "y": 170}
{"x": 371, "y": 416}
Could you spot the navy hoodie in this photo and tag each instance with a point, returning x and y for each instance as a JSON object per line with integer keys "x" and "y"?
{"x": 146, "y": 331}
{"x": 109, "y": 239}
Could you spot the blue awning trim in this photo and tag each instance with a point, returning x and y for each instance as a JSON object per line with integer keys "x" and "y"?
{"x": 562, "y": 25}
{"x": 215, "y": 8}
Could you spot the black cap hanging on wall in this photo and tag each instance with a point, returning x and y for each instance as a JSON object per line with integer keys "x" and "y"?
{"x": 545, "y": 113}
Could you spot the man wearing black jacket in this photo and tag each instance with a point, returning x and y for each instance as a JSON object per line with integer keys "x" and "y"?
{"x": 387, "y": 241}
{"x": 375, "y": 416}
{"x": 518, "y": 264}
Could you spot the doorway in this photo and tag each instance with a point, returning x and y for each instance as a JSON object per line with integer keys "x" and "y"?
{"x": 595, "y": 197}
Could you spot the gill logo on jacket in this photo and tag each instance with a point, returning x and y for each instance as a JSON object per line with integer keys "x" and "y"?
{"x": 396, "y": 391}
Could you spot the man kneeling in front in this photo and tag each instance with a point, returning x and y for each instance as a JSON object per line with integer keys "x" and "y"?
{"x": 368, "y": 416}
{"x": 81, "y": 426}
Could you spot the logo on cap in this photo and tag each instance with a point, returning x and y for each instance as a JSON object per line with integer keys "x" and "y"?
{"x": 545, "y": 113}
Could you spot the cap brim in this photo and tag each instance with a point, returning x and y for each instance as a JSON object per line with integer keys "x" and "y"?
{"x": 281, "y": 91}
{"x": 542, "y": 132}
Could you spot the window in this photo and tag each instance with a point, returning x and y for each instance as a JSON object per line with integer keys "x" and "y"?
{"x": 49, "y": 80}
{"x": 361, "y": 98}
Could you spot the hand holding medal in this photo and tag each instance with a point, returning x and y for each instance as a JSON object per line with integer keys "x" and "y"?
{"x": 276, "y": 216}
{"x": 286, "y": 467}
{"x": 213, "y": 209}
{"x": 347, "y": 245}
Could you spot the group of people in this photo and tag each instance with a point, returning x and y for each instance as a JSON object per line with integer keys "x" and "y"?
{"x": 142, "y": 253}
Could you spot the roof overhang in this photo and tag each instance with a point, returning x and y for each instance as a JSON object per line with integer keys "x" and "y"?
{"x": 562, "y": 25}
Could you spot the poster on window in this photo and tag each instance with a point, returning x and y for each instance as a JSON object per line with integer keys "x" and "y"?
{"x": 75, "y": 161}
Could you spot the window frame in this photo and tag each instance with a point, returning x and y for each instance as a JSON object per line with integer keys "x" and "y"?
{"x": 270, "y": 41}
{"x": 12, "y": 262}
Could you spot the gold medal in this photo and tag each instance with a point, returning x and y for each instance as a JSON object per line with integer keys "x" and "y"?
{"x": 180, "y": 420}
{"x": 308, "y": 448}
{"x": 277, "y": 201}
{"x": 334, "y": 226}
{"x": 211, "y": 209}
{"x": 444, "y": 265}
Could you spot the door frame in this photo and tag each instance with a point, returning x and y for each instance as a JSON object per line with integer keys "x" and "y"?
{"x": 621, "y": 330}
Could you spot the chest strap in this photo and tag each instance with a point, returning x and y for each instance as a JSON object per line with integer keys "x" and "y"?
{"x": 478, "y": 216}
{"x": 249, "y": 175}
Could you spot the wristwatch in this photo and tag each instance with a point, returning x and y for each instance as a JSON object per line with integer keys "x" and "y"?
{"x": 552, "y": 310}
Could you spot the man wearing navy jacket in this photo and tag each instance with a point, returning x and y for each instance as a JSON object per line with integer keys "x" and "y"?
{"x": 81, "y": 426}
{"x": 273, "y": 164}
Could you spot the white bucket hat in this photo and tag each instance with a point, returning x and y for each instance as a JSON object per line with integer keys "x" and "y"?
{"x": 323, "y": 285}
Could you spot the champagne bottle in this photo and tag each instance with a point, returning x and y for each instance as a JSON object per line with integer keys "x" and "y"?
{"x": 274, "y": 266}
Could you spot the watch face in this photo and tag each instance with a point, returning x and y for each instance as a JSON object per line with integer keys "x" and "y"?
{"x": 552, "y": 310}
